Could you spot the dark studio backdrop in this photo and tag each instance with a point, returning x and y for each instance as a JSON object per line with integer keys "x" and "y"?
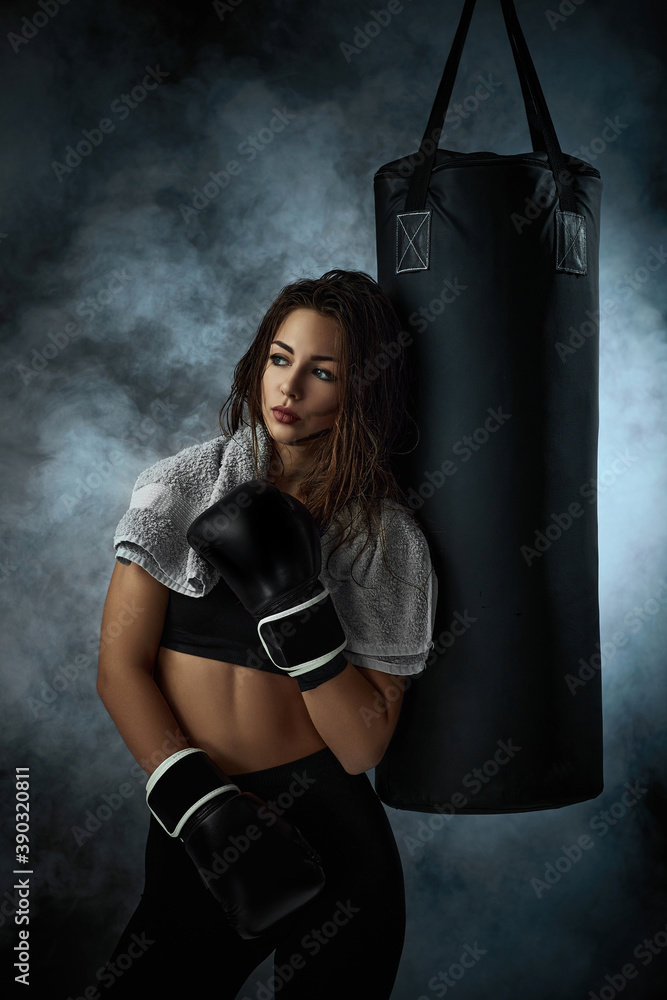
{"x": 166, "y": 169}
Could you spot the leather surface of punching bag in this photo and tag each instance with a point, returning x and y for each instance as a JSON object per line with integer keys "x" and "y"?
{"x": 492, "y": 264}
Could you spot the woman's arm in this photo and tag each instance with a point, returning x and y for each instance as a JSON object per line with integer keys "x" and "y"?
{"x": 132, "y": 623}
{"x": 356, "y": 713}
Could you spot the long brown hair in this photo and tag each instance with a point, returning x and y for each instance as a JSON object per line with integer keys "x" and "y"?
{"x": 351, "y": 463}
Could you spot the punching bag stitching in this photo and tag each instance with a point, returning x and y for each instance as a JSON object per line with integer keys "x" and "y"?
{"x": 425, "y": 242}
{"x": 570, "y": 242}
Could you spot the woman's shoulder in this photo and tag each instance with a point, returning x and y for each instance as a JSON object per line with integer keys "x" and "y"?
{"x": 404, "y": 541}
{"x": 394, "y": 534}
{"x": 200, "y": 463}
{"x": 398, "y": 519}
{"x": 391, "y": 518}
{"x": 384, "y": 589}
{"x": 188, "y": 461}
{"x": 211, "y": 446}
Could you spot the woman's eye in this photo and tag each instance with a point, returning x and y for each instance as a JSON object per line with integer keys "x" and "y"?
{"x": 329, "y": 376}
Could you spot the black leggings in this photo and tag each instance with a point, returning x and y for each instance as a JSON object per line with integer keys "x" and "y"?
{"x": 349, "y": 938}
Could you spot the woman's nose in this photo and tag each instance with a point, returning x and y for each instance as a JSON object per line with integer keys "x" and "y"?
{"x": 290, "y": 384}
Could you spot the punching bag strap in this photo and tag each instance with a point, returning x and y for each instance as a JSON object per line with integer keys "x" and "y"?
{"x": 528, "y": 77}
{"x": 537, "y": 142}
{"x": 542, "y": 132}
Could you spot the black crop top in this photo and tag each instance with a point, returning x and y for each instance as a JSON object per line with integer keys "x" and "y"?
{"x": 216, "y": 626}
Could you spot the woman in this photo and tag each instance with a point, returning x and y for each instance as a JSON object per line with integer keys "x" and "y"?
{"x": 316, "y": 407}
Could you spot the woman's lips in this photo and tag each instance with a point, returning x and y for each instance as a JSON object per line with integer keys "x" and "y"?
{"x": 285, "y": 418}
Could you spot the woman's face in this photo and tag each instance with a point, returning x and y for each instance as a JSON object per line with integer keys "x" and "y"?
{"x": 303, "y": 376}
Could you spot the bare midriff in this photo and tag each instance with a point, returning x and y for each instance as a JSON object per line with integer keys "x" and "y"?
{"x": 245, "y": 719}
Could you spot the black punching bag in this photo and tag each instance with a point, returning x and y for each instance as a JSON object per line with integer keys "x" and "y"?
{"x": 492, "y": 264}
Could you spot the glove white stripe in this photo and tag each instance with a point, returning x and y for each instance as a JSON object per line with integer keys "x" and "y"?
{"x": 297, "y": 607}
{"x": 303, "y": 668}
{"x": 186, "y": 815}
{"x": 162, "y": 769}
{"x": 307, "y": 665}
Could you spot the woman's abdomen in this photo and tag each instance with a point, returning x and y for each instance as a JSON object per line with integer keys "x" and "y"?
{"x": 245, "y": 719}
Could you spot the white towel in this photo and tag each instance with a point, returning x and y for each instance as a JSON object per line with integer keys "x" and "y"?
{"x": 388, "y": 626}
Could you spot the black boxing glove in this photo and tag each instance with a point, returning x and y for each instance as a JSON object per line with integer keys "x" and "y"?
{"x": 266, "y": 546}
{"x": 259, "y": 867}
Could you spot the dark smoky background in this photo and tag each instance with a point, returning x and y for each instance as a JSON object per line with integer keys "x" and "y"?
{"x": 136, "y": 263}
